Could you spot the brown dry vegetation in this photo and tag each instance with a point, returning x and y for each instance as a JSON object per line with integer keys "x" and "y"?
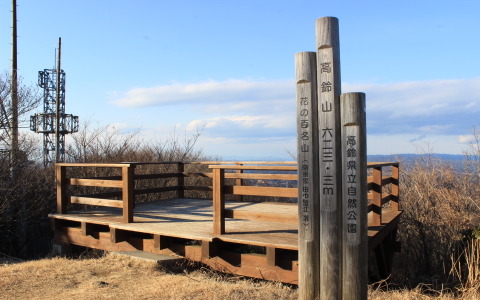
{"x": 119, "y": 277}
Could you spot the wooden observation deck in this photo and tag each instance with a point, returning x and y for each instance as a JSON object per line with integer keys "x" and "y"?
{"x": 236, "y": 217}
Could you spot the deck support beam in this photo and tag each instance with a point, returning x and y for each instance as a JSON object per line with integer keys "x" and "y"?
{"x": 86, "y": 228}
{"x": 271, "y": 254}
{"x": 209, "y": 249}
{"x": 117, "y": 235}
{"x": 161, "y": 242}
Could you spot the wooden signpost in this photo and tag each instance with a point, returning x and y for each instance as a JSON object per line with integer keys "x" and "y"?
{"x": 308, "y": 175}
{"x": 328, "y": 74}
{"x": 354, "y": 202}
{"x": 332, "y": 193}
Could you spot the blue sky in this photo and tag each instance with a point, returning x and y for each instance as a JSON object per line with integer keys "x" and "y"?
{"x": 228, "y": 67}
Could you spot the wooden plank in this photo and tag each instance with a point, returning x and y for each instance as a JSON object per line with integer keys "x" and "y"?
{"x": 61, "y": 182}
{"x": 218, "y": 202}
{"x": 157, "y": 176}
{"x": 99, "y": 165}
{"x": 85, "y": 227}
{"x": 251, "y": 265}
{"x": 95, "y": 182}
{"x": 271, "y": 255}
{"x": 262, "y": 191}
{"x": 209, "y": 249}
{"x": 128, "y": 195}
{"x": 395, "y": 187}
{"x": 96, "y": 201}
{"x": 387, "y": 198}
{"x": 161, "y": 242}
{"x": 255, "y": 163}
{"x": 117, "y": 235}
{"x": 263, "y": 168}
{"x": 180, "y": 180}
{"x": 191, "y": 219}
{"x": 238, "y": 182}
{"x": 261, "y": 176}
{"x": 377, "y": 196}
{"x": 380, "y": 164}
{"x": 261, "y": 216}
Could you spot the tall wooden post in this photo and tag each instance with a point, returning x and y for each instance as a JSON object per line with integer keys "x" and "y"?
{"x": 308, "y": 176}
{"x": 354, "y": 204}
{"x": 329, "y": 89}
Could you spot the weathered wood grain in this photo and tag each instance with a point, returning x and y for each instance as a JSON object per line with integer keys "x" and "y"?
{"x": 354, "y": 203}
{"x": 307, "y": 158}
{"x": 329, "y": 90}
{"x": 96, "y": 201}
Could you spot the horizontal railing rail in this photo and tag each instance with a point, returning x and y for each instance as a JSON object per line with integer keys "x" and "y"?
{"x": 378, "y": 196}
{"x": 383, "y": 186}
{"x": 125, "y": 183}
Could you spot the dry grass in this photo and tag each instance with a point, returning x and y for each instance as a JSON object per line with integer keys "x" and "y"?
{"x": 118, "y": 277}
{"x": 422, "y": 294}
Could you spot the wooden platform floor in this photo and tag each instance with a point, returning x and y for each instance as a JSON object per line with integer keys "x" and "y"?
{"x": 192, "y": 219}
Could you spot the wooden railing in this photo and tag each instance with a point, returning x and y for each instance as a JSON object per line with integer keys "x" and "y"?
{"x": 220, "y": 189}
{"x": 125, "y": 183}
{"x": 383, "y": 191}
{"x": 380, "y": 196}
{"x": 383, "y": 186}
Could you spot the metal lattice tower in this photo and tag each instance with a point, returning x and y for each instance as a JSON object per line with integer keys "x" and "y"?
{"x": 53, "y": 83}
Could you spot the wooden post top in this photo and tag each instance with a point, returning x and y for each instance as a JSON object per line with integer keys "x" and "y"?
{"x": 327, "y": 32}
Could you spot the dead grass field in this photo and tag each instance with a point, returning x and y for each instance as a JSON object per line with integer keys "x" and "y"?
{"x": 120, "y": 277}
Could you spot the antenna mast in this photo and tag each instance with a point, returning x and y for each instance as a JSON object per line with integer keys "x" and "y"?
{"x": 54, "y": 123}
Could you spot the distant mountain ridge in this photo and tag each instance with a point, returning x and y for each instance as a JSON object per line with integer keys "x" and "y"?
{"x": 407, "y": 157}
{"x": 413, "y": 157}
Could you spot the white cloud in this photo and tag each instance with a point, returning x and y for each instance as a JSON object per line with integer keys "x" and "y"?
{"x": 422, "y": 98}
{"x": 466, "y": 139}
{"x": 210, "y": 92}
{"x": 251, "y": 112}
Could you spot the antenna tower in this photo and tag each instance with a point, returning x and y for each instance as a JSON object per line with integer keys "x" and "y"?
{"x": 54, "y": 123}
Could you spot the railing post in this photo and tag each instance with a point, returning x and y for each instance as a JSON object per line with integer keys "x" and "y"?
{"x": 239, "y": 182}
{"x": 395, "y": 186}
{"x": 218, "y": 202}
{"x": 180, "y": 180}
{"x": 61, "y": 174}
{"x": 377, "y": 197}
{"x": 128, "y": 196}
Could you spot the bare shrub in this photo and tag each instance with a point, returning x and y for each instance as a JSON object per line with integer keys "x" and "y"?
{"x": 439, "y": 203}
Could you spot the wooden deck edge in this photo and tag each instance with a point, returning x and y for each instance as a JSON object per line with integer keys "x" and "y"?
{"x": 383, "y": 231}
{"x": 228, "y": 238}
{"x": 252, "y": 265}
{"x": 243, "y": 264}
